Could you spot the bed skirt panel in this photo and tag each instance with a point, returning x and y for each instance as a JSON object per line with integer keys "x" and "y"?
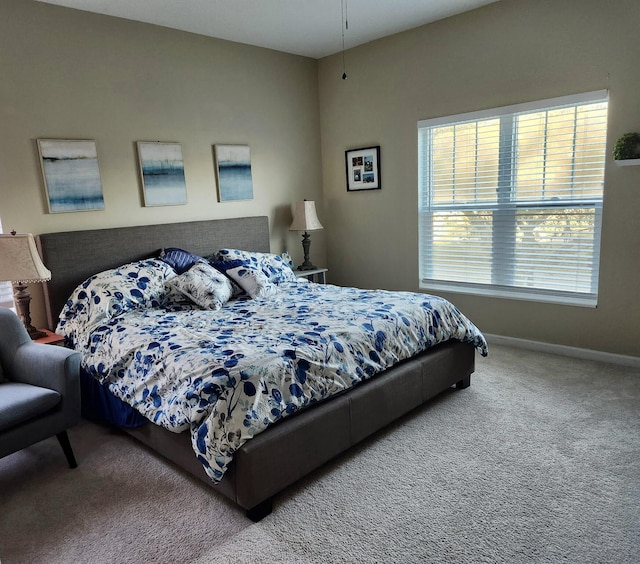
{"x": 99, "y": 404}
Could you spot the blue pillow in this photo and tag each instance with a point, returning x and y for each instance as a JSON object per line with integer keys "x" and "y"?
{"x": 224, "y": 265}
{"x": 179, "y": 259}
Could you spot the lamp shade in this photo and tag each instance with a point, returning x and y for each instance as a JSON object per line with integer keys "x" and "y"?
{"x": 20, "y": 261}
{"x": 305, "y": 217}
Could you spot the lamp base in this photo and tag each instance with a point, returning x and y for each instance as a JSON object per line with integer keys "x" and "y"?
{"x": 306, "y": 244}
{"x": 22, "y": 299}
{"x": 35, "y": 334}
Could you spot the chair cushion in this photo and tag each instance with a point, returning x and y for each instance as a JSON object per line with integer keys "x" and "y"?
{"x": 21, "y": 402}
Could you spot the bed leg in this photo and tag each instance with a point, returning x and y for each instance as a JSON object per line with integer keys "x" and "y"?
{"x": 261, "y": 510}
{"x": 464, "y": 383}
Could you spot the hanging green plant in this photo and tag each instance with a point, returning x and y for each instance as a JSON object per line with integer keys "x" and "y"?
{"x": 627, "y": 147}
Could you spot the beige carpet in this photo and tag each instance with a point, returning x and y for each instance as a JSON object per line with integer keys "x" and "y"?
{"x": 538, "y": 461}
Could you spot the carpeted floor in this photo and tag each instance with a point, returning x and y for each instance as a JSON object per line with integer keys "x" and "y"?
{"x": 538, "y": 461}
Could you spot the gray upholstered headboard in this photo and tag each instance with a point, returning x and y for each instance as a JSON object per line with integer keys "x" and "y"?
{"x": 73, "y": 256}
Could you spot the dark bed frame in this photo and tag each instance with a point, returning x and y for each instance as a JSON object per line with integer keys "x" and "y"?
{"x": 295, "y": 446}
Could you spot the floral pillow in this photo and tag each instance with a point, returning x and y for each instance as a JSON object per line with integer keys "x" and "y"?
{"x": 204, "y": 286}
{"x": 274, "y": 267}
{"x": 286, "y": 258}
{"x": 111, "y": 293}
{"x": 253, "y": 281}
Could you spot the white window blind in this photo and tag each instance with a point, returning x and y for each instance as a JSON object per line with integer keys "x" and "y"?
{"x": 6, "y": 295}
{"x": 510, "y": 200}
{"x": 6, "y": 290}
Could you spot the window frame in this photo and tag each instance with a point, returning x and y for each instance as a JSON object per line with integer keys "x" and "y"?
{"x": 506, "y": 203}
{"x": 6, "y": 290}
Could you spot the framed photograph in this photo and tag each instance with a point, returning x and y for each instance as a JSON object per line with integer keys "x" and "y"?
{"x": 71, "y": 175}
{"x": 363, "y": 169}
{"x": 162, "y": 173}
{"x": 233, "y": 172}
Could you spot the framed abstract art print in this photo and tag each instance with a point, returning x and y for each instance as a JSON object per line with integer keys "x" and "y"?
{"x": 71, "y": 175}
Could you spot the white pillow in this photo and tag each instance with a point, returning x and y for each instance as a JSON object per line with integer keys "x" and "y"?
{"x": 204, "y": 286}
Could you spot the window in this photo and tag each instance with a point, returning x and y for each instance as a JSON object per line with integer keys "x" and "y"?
{"x": 510, "y": 200}
{"x": 6, "y": 291}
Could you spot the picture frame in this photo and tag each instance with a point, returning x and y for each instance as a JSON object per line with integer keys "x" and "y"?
{"x": 162, "y": 173}
{"x": 233, "y": 172}
{"x": 363, "y": 169}
{"x": 71, "y": 175}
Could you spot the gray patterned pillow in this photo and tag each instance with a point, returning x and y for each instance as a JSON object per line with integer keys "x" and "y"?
{"x": 253, "y": 281}
{"x": 204, "y": 286}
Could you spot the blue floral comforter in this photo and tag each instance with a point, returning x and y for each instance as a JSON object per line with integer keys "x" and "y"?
{"x": 228, "y": 374}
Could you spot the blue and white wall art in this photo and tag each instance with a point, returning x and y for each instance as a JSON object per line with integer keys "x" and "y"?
{"x": 233, "y": 167}
{"x": 71, "y": 175}
{"x": 162, "y": 172}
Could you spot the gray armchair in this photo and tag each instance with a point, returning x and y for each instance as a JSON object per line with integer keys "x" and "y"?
{"x": 39, "y": 389}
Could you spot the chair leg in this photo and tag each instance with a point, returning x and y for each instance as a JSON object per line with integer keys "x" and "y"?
{"x": 63, "y": 439}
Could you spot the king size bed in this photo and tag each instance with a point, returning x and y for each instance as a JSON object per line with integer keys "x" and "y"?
{"x": 255, "y": 389}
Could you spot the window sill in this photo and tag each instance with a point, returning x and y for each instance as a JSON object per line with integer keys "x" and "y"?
{"x": 521, "y": 295}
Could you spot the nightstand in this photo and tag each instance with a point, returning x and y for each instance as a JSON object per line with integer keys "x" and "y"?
{"x": 50, "y": 339}
{"x": 316, "y": 275}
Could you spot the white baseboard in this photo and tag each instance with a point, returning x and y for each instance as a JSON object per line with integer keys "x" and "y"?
{"x": 587, "y": 354}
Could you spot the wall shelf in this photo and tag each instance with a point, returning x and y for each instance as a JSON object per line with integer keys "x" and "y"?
{"x": 628, "y": 162}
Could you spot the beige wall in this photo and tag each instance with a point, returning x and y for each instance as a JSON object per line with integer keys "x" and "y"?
{"x": 509, "y": 52}
{"x": 70, "y": 74}
{"x": 75, "y": 75}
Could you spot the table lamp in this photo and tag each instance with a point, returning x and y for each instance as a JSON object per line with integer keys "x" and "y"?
{"x": 20, "y": 263}
{"x": 305, "y": 219}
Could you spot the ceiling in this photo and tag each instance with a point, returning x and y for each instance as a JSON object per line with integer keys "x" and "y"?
{"x": 312, "y": 28}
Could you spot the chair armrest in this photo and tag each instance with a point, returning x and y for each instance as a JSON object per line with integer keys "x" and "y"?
{"x": 47, "y": 366}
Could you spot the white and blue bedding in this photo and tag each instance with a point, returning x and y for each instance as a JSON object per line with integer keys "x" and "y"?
{"x": 229, "y": 371}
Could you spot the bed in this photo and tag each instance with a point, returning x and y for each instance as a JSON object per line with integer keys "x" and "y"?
{"x": 264, "y": 449}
